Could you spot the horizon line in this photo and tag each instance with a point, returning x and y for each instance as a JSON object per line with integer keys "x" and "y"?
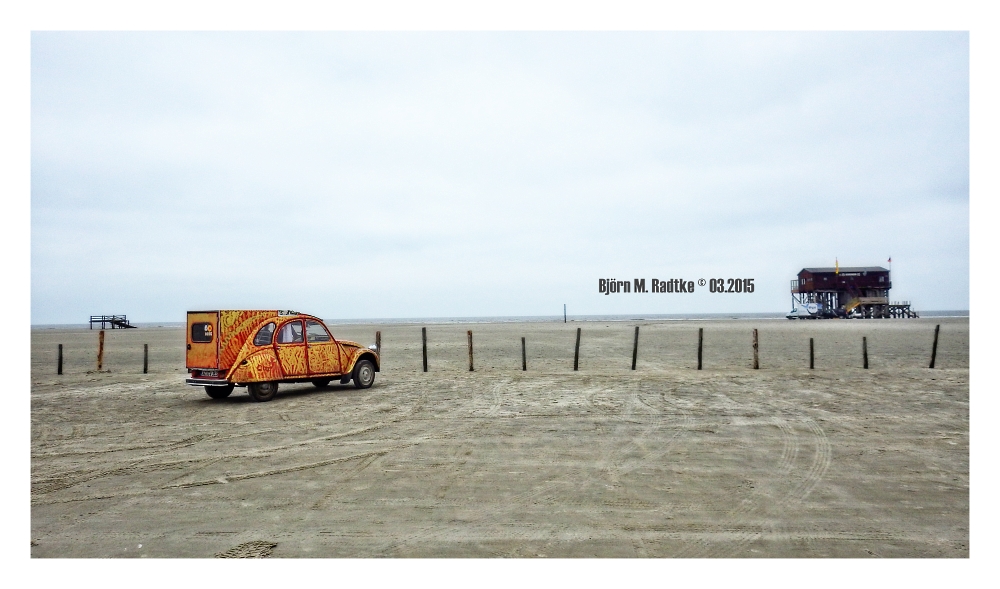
{"x": 480, "y": 318}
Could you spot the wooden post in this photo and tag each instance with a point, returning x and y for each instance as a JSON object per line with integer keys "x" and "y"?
{"x": 470, "y": 352}
{"x": 700, "y": 330}
{"x": 864, "y": 350}
{"x": 59, "y": 363}
{"x": 524, "y": 356}
{"x": 100, "y": 350}
{"x": 378, "y": 344}
{"x": 145, "y": 358}
{"x": 576, "y": 353}
{"x": 937, "y": 328}
{"x": 635, "y": 347}
{"x": 756, "y": 360}
{"x": 810, "y": 353}
{"x": 423, "y": 336}
{"x": 564, "y": 312}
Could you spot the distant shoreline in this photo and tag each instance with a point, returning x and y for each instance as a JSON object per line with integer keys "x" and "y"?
{"x": 516, "y": 319}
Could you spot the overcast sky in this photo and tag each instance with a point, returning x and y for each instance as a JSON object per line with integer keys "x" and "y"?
{"x": 371, "y": 175}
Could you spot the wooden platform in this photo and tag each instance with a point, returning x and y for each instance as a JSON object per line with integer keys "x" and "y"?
{"x": 111, "y": 322}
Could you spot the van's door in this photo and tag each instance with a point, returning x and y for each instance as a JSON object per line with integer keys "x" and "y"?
{"x": 203, "y": 339}
{"x": 323, "y": 351}
{"x": 291, "y": 347}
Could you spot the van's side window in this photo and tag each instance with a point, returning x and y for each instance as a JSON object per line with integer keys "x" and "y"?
{"x": 201, "y": 333}
{"x": 291, "y": 333}
{"x": 263, "y": 336}
{"x": 315, "y": 332}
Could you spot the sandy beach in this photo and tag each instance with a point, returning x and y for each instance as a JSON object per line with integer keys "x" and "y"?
{"x": 662, "y": 461}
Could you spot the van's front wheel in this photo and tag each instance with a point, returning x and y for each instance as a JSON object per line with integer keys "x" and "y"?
{"x": 219, "y": 392}
{"x": 364, "y": 374}
{"x": 262, "y": 391}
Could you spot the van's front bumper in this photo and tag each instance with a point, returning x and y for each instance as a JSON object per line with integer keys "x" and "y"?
{"x": 207, "y": 382}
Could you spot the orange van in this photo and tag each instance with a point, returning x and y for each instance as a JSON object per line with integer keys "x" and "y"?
{"x": 259, "y": 349}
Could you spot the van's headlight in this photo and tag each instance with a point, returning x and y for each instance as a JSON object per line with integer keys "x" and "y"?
{"x": 372, "y": 348}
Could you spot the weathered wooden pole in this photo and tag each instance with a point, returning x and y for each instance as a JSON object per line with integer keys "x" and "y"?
{"x": 756, "y": 360}
{"x": 810, "y": 353}
{"x": 100, "y": 350}
{"x": 564, "y": 312}
{"x": 864, "y": 350}
{"x": 378, "y": 344}
{"x": 700, "y": 334}
{"x": 471, "y": 369}
{"x": 937, "y": 328}
{"x": 145, "y": 358}
{"x": 59, "y": 363}
{"x": 576, "y": 353}
{"x": 635, "y": 347}
{"x": 423, "y": 336}
{"x": 524, "y": 356}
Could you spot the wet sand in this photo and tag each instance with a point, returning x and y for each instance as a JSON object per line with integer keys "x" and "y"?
{"x": 663, "y": 461}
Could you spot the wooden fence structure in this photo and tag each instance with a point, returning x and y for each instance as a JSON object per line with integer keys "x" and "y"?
{"x": 524, "y": 356}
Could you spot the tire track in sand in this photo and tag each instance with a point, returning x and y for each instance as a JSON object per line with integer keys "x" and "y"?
{"x": 619, "y": 459}
{"x": 739, "y": 529}
{"x": 496, "y": 517}
{"x": 64, "y": 480}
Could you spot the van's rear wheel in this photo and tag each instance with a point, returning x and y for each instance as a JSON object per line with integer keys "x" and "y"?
{"x": 262, "y": 391}
{"x": 219, "y": 392}
{"x": 364, "y": 374}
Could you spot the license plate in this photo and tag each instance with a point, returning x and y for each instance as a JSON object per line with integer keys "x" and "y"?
{"x": 213, "y": 373}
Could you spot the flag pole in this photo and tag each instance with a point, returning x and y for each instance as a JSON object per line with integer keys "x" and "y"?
{"x": 890, "y": 272}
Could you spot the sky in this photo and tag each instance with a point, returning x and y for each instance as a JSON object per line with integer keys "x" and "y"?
{"x": 468, "y": 174}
